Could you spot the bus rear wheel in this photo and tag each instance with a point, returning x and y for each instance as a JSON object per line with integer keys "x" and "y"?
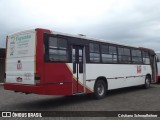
{"x": 147, "y": 82}
{"x": 99, "y": 89}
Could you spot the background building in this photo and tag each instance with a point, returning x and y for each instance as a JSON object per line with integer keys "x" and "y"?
{"x": 2, "y": 62}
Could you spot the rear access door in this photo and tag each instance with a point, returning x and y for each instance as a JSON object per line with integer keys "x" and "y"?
{"x": 78, "y": 59}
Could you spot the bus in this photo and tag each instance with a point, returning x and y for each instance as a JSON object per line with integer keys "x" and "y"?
{"x": 46, "y": 62}
{"x": 158, "y": 64}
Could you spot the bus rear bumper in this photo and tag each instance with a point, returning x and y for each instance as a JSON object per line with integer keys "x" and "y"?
{"x": 51, "y": 89}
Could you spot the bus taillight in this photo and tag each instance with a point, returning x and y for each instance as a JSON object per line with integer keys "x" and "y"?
{"x": 37, "y": 78}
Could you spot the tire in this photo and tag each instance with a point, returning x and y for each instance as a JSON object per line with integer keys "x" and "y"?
{"x": 99, "y": 89}
{"x": 147, "y": 82}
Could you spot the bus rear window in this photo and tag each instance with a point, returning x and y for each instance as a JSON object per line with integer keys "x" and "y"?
{"x": 57, "y": 49}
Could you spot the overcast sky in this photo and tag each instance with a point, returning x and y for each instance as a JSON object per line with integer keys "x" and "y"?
{"x": 135, "y": 22}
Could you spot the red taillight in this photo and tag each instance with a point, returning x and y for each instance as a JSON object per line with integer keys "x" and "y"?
{"x": 37, "y": 78}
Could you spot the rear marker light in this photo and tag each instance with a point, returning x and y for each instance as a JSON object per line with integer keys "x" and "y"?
{"x": 37, "y": 79}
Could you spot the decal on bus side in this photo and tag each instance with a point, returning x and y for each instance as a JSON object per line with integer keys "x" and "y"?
{"x": 139, "y": 69}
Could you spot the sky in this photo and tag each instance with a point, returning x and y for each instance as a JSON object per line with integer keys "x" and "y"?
{"x": 133, "y": 22}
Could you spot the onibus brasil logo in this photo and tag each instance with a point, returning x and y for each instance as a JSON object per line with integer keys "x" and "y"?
{"x": 21, "y": 114}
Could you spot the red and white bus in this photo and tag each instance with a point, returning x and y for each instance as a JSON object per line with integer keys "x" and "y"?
{"x": 45, "y": 62}
{"x": 158, "y": 64}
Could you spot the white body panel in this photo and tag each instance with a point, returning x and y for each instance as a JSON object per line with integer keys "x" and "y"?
{"x": 20, "y": 62}
{"x": 117, "y": 75}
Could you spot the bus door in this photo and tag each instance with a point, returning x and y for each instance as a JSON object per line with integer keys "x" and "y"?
{"x": 78, "y": 60}
{"x": 154, "y": 68}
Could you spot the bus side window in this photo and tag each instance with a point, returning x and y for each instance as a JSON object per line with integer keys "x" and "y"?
{"x": 124, "y": 55}
{"x": 94, "y": 52}
{"x": 109, "y": 54}
{"x": 136, "y": 56}
{"x": 58, "y": 49}
{"x": 146, "y": 59}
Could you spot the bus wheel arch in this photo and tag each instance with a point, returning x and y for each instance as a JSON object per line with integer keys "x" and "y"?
{"x": 100, "y": 87}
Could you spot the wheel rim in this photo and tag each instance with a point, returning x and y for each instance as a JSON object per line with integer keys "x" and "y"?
{"x": 100, "y": 89}
{"x": 147, "y": 82}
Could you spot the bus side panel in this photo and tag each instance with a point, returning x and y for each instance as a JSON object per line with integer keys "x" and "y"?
{"x": 117, "y": 75}
{"x": 51, "y": 89}
{"x": 57, "y": 73}
{"x": 55, "y": 78}
{"x": 40, "y": 54}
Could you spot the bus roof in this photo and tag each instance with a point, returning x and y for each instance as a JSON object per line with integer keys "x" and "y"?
{"x": 81, "y": 36}
{"x": 24, "y": 31}
{"x": 93, "y": 39}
